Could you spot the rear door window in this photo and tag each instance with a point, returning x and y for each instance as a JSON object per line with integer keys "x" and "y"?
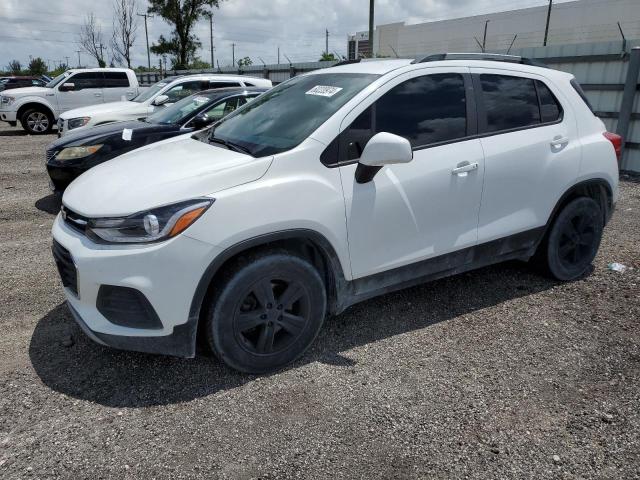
{"x": 509, "y": 102}
{"x": 116, "y": 80}
{"x": 224, "y": 84}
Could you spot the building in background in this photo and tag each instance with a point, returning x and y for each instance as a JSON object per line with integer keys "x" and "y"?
{"x": 571, "y": 22}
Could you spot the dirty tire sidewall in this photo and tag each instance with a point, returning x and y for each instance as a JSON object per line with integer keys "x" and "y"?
{"x": 220, "y": 331}
{"x": 555, "y": 266}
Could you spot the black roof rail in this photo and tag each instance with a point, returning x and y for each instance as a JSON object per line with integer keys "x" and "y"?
{"x": 494, "y": 57}
{"x": 347, "y": 62}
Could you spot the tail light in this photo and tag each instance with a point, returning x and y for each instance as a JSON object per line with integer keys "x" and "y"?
{"x": 616, "y": 141}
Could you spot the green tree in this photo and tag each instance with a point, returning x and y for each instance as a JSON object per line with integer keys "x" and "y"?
{"x": 245, "y": 62}
{"x": 327, "y": 57}
{"x": 14, "y": 67}
{"x": 37, "y": 66}
{"x": 61, "y": 69}
{"x": 182, "y": 15}
{"x": 198, "y": 64}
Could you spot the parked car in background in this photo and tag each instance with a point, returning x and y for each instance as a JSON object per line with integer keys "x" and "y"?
{"x": 9, "y": 83}
{"x": 37, "y": 108}
{"x": 332, "y": 188}
{"x": 76, "y": 153}
{"x": 164, "y": 93}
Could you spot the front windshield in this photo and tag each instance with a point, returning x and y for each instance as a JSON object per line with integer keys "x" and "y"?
{"x": 178, "y": 111}
{"x": 57, "y": 80}
{"x": 150, "y": 92}
{"x": 283, "y": 117}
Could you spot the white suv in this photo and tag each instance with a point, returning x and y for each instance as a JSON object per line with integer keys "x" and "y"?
{"x": 332, "y": 188}
{"x": 163, "y": 93}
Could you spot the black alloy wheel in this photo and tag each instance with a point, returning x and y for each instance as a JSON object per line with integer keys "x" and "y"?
{"x": 269, "y": 310}
{"x": 574, "y": 239}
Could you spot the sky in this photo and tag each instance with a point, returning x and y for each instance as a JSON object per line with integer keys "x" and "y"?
{"x": 49, "y": 29}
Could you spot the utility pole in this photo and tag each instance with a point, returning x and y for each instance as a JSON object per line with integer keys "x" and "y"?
{"x": 371, "y": 15}
{"x": 484, "y": 38}
{"x": 146, "y": 34}
{"x": 278, "y": 54}
{"x": 78, "y": 52}
{"x": 211, "y": 34}
{"x": 233, "y": 54}
{"x": 326, "y": 41}
{"x": 546, "y": 29}
{"x": 67, "y": 58}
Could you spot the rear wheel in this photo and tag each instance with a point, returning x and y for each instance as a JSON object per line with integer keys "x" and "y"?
{"x": 36, "y": 121}
{"x": 573, "y": 241}
{"x": 268, "y": 312}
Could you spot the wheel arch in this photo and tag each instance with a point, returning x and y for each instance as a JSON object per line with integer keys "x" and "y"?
{"x": 309, "y": 244}
{"x": 33, "y": 104}
{"x": 597, "y": 188}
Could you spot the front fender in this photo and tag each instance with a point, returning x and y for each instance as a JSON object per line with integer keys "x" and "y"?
{"x": 23, "y": 102}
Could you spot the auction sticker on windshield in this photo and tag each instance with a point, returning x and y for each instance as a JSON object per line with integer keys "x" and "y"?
{"x": 324, "y": 91}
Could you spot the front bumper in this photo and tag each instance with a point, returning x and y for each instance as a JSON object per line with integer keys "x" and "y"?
{"x": 166, "y": 273}
{"x": 8, "y": 115}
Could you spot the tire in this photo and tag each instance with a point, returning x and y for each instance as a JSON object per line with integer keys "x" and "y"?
{"x": 268, "y": 311}
{"x": 37, "y": 121}
{"x": 573, "y": 241}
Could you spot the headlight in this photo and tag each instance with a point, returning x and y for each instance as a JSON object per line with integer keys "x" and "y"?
{"x": 71, "y": 153}
{"x": 7, "y": 100}
{"x": 77, "y": 122}
{"x": 153, "y": 225}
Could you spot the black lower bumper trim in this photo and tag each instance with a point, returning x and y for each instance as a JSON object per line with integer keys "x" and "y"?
{"x": 181, "y": 343}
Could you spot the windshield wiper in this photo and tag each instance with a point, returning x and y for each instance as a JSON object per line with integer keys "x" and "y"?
{"x": 230, "y": 145}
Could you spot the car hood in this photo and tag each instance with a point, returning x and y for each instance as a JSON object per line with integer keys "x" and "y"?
{"x": 87, "y": 136}
{"x": 106, "y": 108}
{"x": 166, "y": 172}
{"x": 26, "y": 91}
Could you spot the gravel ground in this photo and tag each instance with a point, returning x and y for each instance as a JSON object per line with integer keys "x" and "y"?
{"x": 497, "y": 373}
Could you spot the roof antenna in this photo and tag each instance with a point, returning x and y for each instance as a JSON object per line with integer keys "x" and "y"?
{"x": 512, "y": 42}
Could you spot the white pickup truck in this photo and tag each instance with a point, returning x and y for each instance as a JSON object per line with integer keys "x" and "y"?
{"x": 37, "y": 108}
{"x": 163, "y": 93}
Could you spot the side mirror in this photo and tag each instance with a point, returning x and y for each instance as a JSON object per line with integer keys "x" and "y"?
{"x": 383, "y": 149}
{"x": 67, "y": 87}
{"x": 160, "y": 100}
{"x": 201, "y": 120}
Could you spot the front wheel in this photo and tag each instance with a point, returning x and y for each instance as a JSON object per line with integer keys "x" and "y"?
{"x": 36, "y": 121}
{"x": 573, "y": 241}
{"x": 268, "y": 311}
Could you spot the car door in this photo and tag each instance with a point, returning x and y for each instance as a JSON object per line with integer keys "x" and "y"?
{"x": 116, "y": 87}
{"x": 531, "y": 147}
{"x": 425, "y": 208}
{"x": 87, "y": 91}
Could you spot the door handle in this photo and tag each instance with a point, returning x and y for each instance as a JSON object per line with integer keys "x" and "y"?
{"x": 559, "y": 140}
{"x": 97, "y": 94}
{"x": 464, "y": 167}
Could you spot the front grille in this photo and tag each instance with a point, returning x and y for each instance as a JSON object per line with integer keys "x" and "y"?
{"x": 73, "y": 219}
{"x": 60, "y": 125}
{"x": 50, "y": 154}
{"x": 66, "y": 267}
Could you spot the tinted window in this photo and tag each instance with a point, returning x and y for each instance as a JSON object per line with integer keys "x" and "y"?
{"x": 550, "y": 109}
{"x": 224, "y": 84}
{"x": 424, "y": 110}
{"x": 510, "y": 102}
{"x": 86, "y": 80}
{"x": 185, "y": 89}
{"x": 224, "y": 108}
{"x": 115, "y": 80}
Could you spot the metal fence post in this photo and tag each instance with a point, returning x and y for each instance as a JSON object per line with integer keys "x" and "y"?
{"x": 628, "y": 97}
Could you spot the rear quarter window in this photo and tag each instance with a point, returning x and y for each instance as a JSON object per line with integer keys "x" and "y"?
{"x": 576, "y": 86}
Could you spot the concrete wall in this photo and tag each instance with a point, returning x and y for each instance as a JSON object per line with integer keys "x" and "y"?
{"x": 571, "y": 22}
